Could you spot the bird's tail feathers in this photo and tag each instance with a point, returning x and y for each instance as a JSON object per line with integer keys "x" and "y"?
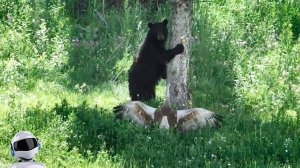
{"x": 217, "y": 119}
{"x": 118, "y": 110}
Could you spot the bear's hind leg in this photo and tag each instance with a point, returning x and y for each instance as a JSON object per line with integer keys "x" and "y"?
{"x": 133, "y": 91}
{"x": 164, "y": 72}
{"x": 137, "y": 92}
{"x": 151, "y": 93}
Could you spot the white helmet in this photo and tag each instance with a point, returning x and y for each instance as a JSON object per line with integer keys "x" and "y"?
{"x": 24, "y": 145}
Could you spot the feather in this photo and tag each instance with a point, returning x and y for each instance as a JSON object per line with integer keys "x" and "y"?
{"x": 135, "y": 111}
{"x": 183, "y": 120}
{"x": 195, "y": 118}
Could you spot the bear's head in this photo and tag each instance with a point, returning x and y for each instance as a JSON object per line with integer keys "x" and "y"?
{"x": 158, "y": 31}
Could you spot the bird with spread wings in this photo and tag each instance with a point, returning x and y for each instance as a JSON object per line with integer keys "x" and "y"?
{"x": 166, "y": 117}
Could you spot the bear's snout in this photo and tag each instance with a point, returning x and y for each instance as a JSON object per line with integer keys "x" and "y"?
{"x": 160, "y": 36}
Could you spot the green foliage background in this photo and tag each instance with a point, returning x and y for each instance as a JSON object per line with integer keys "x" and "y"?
{"x": 63, "y": 66}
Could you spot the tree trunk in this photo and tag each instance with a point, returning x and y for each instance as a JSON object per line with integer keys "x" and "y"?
{"x": 177, "y": 74}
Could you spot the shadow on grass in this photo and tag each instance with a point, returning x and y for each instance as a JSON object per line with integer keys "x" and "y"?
{"x": 245, "y": 141}
{"x": 241, "y": 141}
{"x": 95, "y": 129}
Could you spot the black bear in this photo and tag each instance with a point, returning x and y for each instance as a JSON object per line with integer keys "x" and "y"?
{"x": 150, "y": 64}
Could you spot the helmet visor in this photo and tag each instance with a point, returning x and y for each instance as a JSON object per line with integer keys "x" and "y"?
{"x": 25, "y": 144}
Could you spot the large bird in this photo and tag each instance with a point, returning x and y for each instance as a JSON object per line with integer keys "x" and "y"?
{"x": 166, "y": 117}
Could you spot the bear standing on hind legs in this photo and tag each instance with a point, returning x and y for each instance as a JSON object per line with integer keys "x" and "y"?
{"x": 150, "y": 64}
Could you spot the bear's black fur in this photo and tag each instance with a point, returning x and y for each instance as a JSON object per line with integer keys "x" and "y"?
{"x": 150, "y": 64}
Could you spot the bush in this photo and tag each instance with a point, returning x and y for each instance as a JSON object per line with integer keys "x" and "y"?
{"x": 248, "y": 56}
{"x": 35, "y": 42}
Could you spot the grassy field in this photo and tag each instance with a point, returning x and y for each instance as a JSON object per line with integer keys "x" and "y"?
{"x": 63, "y": 67}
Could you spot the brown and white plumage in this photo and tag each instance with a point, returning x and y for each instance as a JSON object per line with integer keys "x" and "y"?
{"x": 195, "y": 118}
{"x": 165, "y": 116}
{"x": 135, "y": 111}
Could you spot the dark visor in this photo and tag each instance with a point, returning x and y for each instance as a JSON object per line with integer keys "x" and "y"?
{"x": 25, "y": 144}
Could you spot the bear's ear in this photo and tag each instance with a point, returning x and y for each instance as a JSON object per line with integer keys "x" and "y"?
{"x": 150, "y": 24}
{"x": 165, "y": 21}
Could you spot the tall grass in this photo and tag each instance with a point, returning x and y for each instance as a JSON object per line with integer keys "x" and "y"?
{"x": 247, "y": 55}
{"x": 64, "y": 65}
{"x": 35, "y": 39}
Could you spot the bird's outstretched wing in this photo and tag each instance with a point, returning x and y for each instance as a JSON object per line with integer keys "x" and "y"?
{"x": 135, "y": 111}
{"x": 195, "y": 118}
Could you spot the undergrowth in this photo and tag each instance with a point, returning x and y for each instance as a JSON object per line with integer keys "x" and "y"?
{"x": 91, "y": 136}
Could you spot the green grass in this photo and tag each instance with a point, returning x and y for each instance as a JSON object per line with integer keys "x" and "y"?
{"x": 62, "y": 70}
{"x": 79, "y": 132}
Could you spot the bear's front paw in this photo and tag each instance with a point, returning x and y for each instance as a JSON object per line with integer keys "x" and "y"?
{"x": 179, "y": 48}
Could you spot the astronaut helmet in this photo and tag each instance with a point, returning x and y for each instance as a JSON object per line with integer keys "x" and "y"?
{"x": 24, "y": 146}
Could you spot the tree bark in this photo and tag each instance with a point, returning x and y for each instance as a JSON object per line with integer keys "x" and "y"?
{"x": 177, "y": 74}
